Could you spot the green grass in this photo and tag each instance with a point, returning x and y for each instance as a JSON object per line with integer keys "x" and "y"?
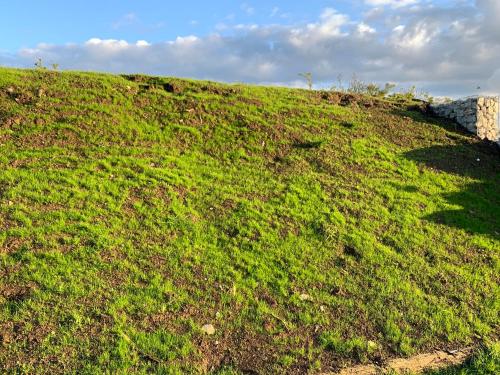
{"x": 313, "y": 230}
{"x": 484, "y": 362}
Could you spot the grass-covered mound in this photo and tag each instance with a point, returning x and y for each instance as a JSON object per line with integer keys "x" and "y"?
{"x": 313, "y": 230}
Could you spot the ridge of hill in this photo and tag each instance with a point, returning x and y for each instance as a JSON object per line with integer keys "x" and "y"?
{"x": 175, "y": 226}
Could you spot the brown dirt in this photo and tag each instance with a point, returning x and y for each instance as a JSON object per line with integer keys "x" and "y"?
{"x": 414, "y": 365}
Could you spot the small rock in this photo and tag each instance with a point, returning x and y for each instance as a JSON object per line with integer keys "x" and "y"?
{"x": 305, "y": 297}
{"x": 208, "y": 329}
{"x": 5, "y": 339}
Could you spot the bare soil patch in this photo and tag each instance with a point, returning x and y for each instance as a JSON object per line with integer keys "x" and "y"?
{"x": 414, "y": 365}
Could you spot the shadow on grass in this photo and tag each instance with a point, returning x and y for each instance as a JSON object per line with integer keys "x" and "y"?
{"x": 480, "y": 199}
{"x": 425, "y": 116}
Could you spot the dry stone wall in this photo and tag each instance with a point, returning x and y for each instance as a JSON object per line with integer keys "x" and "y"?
{"x": 478, "y": 115}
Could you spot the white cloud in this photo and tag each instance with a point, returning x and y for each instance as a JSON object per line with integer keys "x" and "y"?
{"x": 392, "y": 3}
{"x": 415, "y": 38}
{"x": 127, "y": 20}
{"x": 364, "y": 29}
{"x": 445, "y": 50}
{"x": 490, "y": 11}
{"x": 108, "y": 44}
{"x": 248, "y": 9}
{"x": 185, "y": 40}
{"x": 329, "y": 26}
{"x": 277, "y": 13}
{"x": 330, "y": 23}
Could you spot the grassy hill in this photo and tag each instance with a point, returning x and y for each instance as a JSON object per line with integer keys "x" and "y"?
{"x": 312, "y": 230}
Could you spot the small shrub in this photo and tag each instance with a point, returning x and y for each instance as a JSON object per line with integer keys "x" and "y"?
{"x": 39, "y": 64}
{"x": 309, "y": 79}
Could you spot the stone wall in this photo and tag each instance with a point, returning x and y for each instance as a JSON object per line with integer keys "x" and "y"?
{"x": 478, "y": 115}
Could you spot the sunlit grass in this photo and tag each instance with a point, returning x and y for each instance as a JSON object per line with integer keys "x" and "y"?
{"x": 311, "y": 235}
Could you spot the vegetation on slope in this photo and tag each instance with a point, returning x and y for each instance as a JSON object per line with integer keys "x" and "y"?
{"x": 484, "y": 362}
{"x": 313, "y": 230}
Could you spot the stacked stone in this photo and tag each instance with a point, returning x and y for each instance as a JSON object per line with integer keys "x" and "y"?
{"x": 477, "y": 115}
{"x": 487, "y": 119}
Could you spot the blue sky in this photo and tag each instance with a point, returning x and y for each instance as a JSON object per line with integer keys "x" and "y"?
{"x": 446, "y": 47}
{"x": 27, "y": 23}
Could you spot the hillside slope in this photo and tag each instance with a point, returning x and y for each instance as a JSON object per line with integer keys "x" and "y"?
{"x": 313, "y": 230}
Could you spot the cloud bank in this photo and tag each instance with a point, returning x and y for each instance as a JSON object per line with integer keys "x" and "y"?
{"x": 445, "y": 50}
